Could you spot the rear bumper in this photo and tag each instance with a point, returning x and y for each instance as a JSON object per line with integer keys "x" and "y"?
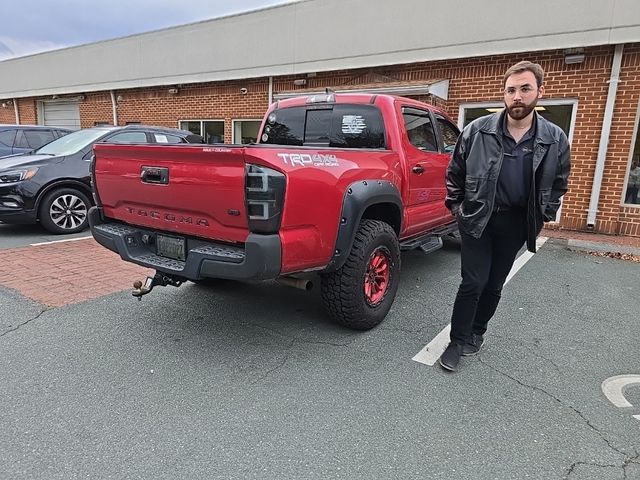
{"x": 258, "y": 259}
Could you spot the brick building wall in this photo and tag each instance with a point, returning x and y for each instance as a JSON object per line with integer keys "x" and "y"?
{"x": 472, "y": 80}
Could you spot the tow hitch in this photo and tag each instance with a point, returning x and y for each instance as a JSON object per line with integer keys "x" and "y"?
{"x": 158, "y": 279}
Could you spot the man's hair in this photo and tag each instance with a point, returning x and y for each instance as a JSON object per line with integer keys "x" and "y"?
{"x": 520, "y": 67}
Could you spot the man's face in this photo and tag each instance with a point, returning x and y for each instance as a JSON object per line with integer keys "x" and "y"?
{"x": 521, "y": 94}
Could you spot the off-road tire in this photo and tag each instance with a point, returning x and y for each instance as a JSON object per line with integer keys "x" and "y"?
{"x": 64, "y": 210}
{"x": 344, "y": 292}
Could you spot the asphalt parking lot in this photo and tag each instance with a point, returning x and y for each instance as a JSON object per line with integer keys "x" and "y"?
{"x": 238, "y": 381}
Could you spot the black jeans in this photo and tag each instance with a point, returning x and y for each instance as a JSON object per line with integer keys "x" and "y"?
{"x": 486, "y": 262}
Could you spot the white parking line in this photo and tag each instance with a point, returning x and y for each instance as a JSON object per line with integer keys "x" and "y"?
{"x": 61, "y": 241}
{"x": 430, "y": 354}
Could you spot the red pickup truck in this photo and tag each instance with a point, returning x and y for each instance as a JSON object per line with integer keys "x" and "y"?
{"x": 337, "y": 184}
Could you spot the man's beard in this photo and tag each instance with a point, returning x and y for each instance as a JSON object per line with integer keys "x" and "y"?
{"x": 518, "y": 111}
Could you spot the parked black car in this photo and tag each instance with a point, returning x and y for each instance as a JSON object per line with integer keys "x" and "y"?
{"x": 52, "y": 185}
{"x": 25, "y": 138}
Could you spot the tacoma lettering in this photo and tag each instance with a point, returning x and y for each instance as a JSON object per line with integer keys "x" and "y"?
{"x": 167, "y": 217}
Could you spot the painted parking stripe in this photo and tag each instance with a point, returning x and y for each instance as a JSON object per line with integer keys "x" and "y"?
{"x": 430, "y": 354}
{"x": 61, "y": 241}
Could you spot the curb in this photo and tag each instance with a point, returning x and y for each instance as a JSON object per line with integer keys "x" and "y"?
{"x": 585, "y": 245}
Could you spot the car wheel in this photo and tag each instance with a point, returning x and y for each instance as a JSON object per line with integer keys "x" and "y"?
{"x": 64, "y": 211}
{"x": 360, "y": 293}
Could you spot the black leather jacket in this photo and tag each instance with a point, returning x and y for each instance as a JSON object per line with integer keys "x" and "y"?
{"x": 472, "y": 175}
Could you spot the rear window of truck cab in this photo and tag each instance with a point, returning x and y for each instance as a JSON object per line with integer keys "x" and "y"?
{"x": 342, "y": 126}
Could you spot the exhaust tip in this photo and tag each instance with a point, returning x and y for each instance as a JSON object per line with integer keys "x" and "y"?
{"x": 299, "y": 283}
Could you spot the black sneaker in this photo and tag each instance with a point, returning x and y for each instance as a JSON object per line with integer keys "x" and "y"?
{"x": 473, "y": 346}
{"x": 451, "y": 357}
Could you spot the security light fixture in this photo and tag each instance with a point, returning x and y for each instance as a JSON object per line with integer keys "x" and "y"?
{"x": 172, "y": 91}
{"x": 299, "y": 82}
{"x": 574, "y": 58}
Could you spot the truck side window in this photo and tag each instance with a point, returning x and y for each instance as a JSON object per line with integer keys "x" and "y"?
{"x": 420, "y": 129}
{"x": 449, "y": 133}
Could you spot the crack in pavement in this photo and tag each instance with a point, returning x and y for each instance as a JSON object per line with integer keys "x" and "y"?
{"x": 575, "y": 464}
{"x": 277, "y": 367}
{"x": 627, "y": 463}
{"x": 24, "y": 323}
{"x": 299, "y": 339}
{"x": 580, "y": 414}
{"x": 529, "y": 347}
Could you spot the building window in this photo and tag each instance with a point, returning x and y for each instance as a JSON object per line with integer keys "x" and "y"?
{"x": 245, "y": 131}
{"x": 562, "y": 112}
{"x": 211, "y": 130}
{"x": 631, "y": 195}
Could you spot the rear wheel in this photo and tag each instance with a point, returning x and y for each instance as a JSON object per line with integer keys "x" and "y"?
{"x": 64, "y": 211}
{"x": 360, "y": 293}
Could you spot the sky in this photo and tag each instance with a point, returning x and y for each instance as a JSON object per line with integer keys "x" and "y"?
{"x": 33, "y": 26}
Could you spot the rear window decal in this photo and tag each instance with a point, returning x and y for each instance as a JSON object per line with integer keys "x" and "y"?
{"x": 353, "y": 124}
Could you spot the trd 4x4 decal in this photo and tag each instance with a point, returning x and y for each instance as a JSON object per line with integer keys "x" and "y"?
{"x": 307, "y": 159}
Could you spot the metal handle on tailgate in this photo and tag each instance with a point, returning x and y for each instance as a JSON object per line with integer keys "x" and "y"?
{"x": 158, "y": 175}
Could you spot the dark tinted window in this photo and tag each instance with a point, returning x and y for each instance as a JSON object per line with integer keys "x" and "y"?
{"x": 345, "y": 126}
{"x": 128, "y": 137}
{"x": 21, "y": 141}
{"x": 420, "y": 129}
{"x": 449, "y": 133}
{"x": 318, "y": 127}
{"x": 285, "y": 127}
{"x": 38, "y": 138}
{"x": 7, "y": 137}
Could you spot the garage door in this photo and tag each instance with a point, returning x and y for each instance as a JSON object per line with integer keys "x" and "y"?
{"x": 61, "y": 114}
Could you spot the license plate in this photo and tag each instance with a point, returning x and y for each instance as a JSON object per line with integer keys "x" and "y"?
{"x": 171, "y": 247}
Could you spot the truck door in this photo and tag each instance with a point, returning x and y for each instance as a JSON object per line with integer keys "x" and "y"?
{"x": 426, "y": 168}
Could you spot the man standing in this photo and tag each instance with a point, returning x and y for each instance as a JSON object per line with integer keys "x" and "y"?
{"x": 633, "y": 186}
{"x": 505, "y": 178}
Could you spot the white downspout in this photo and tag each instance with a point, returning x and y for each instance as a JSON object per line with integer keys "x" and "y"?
{"x": 270, "y": 91}
{"x": 114, "y": 107}
{"x": 15, "y": 109}
{"x": 604, "y": 137}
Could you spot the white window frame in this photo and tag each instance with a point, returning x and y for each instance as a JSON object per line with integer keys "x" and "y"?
{"x": 634, "y": 136}
{"x": 201, "y": 121}
{"x": 233, "y": 127}
{"x": 543, "y": 103}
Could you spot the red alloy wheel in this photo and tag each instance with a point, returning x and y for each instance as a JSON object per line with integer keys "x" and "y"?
{"x": 376, "y": 278}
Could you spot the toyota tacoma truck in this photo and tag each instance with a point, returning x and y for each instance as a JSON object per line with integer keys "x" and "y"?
{"x": 337, "y": 184}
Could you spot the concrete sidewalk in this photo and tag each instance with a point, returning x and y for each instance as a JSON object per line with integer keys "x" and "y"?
{"x": 596, "y": 242}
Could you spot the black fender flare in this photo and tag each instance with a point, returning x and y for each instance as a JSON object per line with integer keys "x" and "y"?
{"x": 358, "y": 197}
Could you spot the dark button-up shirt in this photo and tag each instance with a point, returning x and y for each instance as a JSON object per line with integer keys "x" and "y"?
{"x": 514, "y": 180}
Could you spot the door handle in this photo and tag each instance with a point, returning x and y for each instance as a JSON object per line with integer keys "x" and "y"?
{"x": 418, "y": 169}
{"x": 159, "y": 175}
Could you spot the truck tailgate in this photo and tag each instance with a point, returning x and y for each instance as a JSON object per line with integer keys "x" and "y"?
{"x": 190, "y": 189}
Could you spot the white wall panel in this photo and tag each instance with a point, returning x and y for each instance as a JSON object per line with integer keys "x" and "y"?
{"x": 319, "y": 35}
